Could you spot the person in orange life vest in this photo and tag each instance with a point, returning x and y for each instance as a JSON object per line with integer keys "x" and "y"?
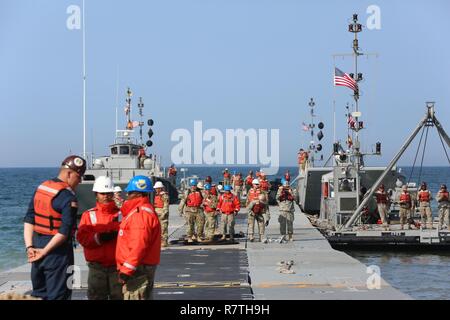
{"x": 226, "y": 177}
{"x": 49, "y": 226}
{"x": 442, "y": 198}
{"x": 257, "y": 210}
{"x": 248, "y": 182}
{"x": 97, "y": 233}
{"x": 173, "y": 174}
{"x": 229, "y": 206}
{"x": 264, "y": 183}
{"x": 237, "y": 185}
{"x": 142, "y": 156}
{"x": 161, "y": 204}
{"x": 406, "y": 205}
{"x": 287, "y": 176}
{"x": 139, "y": 241}
{"x": 382, "y": 199}
{"x": 285, "y": 199}
{"x": 190, "y": 206}
{"x": 209, "y": 208}
{"x": 254, "y": 192}
{"x": 118, "y": 196}
{"x": 424, "y": 198}
{"x": 302, "y": 158}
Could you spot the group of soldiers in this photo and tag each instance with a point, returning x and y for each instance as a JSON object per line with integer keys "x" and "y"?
{"x": 408, "y": 204}
{"x": 204, "y": 204}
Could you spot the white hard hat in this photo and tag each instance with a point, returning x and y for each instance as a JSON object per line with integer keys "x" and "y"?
{"x": 255, "y": 181}
{"x": 158, "y": 184}
{"x": 200, "y": 185}
{"x": 220, "y": 187}
{"x": 117, "y": 189}
{"x": 103, "y": 184}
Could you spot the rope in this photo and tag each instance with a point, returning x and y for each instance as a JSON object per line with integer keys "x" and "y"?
{"x": 443, "y": 145}
{"x": 415, "y": 158}
{"x": 423, "y": 156}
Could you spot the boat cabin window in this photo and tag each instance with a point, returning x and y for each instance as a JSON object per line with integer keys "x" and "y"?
{"x": 114, "y": 150}
{"x": 346, "y": 185}
{"x": 124, "y": 150}
{"x": 134, "y": 151}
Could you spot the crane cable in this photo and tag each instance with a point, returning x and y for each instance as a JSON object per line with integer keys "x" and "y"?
{"x": 443, "y": 145}
{"x": 423, "y": 156}
{"x": 415, "y": 158}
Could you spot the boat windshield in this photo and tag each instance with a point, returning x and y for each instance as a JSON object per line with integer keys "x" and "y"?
{"x": 346, "y": 185}
{"x": 124, "y": 150}
{"x": 114, "y": 150}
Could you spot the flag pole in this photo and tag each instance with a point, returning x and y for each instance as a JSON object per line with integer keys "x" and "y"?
{"x": 84, "y": 84}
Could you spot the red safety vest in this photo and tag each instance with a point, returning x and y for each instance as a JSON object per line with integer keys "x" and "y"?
{"x": 264, "y": 185}
{"x": 249, "y": 180}
{"x": 159, "y": 201}
{"x": 238, "y": 182}
{"x": 444, "y": 195}
{"x": 405, "y": 197}
{"x": 47, "y": 220}
{"x": 228, "y": 203}
{"x": 226, "y": 175}
{"x": 424, "y": 196}
{"x": 194, "y": 199}
{"x": 253, "y": 194}
{"x": 207, "y": 205}
{"x": 381, "y": 197}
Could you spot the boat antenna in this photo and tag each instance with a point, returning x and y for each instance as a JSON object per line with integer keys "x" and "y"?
{"x": 128, "y": 109}
{"x": 141, "y": 123}
{"x": 312, "y": 125}
{"x": 84, "y": 82}
{"x": 117, "y": 98}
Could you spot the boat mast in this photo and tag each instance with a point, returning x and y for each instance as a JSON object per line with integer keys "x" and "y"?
{"x": 312, "y": 125}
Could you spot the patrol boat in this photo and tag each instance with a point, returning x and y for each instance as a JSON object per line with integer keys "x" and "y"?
{"x": 346, "y": 201}
{"x": 126, "y": 160}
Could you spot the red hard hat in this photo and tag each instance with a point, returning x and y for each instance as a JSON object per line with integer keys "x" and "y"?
{"x": 75, "y": 163}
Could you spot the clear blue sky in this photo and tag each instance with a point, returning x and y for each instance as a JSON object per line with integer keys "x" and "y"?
{"x": 230, "y": 63}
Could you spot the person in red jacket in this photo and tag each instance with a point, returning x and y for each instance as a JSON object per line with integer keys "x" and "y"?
{"x": 229, "y": 205}
{"x": 97, "y": 233}
{"x": 139, "y": 241}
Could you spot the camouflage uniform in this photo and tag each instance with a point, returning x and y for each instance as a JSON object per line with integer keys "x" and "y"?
{"x": 425, "y": 210}
{"x": 194, "y": 217}
{"x": 260, "y": 217}
{"x": 286, "y": 217}
{"x": 140, "y": 285}
{"x": 210, "y": 200}
{"x": 103, "y": 283}
{"x": 163, "y": 216}
{"x": 405, "y": 212}
{"x": 444, "y": 208}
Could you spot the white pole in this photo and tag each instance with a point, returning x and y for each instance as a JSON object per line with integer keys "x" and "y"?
{"x": 117, "y": 98}
{"x": 84, "y": 86}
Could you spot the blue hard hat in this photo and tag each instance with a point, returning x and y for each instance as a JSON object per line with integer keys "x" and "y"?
{"x": 227, "y": 188}
{"x": 207, "y": 186}
{"x": 140, "y": 184}
{"x": 193, "y": 182}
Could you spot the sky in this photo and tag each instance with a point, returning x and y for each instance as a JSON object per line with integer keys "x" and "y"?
{"x": 228, "y": 63}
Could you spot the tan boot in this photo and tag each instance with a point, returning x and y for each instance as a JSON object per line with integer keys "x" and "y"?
{"x": 223, "y": 237}
{"x": 290, "y": 238}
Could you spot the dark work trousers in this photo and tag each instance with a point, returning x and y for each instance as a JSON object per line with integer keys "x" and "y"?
{"x": 50, "y": 276}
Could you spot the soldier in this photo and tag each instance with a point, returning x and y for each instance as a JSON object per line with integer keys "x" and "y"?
{"x": 444, "y": 207}
{"x": 406, "y": 203}
{"x": 248, "y": 182}
{"x": 257, "y": 210}
{"x": 226, "y": 177}
{"x": 190, "y": 205}
{"x": 264, "y": 183}
{"x": 229, "y": 206}
{"x": 173, "y": 174}
{"x": 285, "y": 199}
{"x": 424, "y": 199}
{"x": 97, "y": 233}
{"x": 161, "y": 204}
{"x": 49, "y": 226}
{"x": 237, "y": 185}
{"x": 302, "y": 158}
{"x": 382, "y": 199}
{"x": 209, "y": 207}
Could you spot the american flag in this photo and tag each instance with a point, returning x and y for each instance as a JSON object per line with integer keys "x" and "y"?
{"x": 351, "y": 121}
{"x": 343, "y": 79}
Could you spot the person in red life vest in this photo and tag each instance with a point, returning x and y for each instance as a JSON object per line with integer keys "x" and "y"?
{"x": 173, "y": 174}
{"x": 142, "y": 156}
{"x": 254, "y": 192}
{"x": 302, "y": 157}
{"x": 424, "y": 198}
{"x": 209, "y": 208}
{"x": 226, "y": 177}
{"x": 237, "y": 185}
{"x": 97, "y": 233}
{"x": 264, "y": 183}
{"x": 406, "y": 205}
{"x": 161, "y": 204}
{"x": 287, "y": 176}
{"x": 257, "y": 211}
{"x": 139, "y": 241}
{"x": 248, "y": 182}
{"x": 229, "y": 206}
{"x": 285, "y": 199}
{"x": 190, "y": 206}
{"x": 49, "y": 226}
{"x": 383, "y": 202}
{"x": 118, "y": 196}
{"x": 442, "y": 198}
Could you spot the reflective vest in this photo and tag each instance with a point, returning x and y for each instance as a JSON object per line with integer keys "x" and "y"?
{"x": 405, "y": 200}
{"x": 139, "y": 239}
{"x": 424, "y": 196}
{"x": 381, "y": 197}
{"x": 159, "y": 201}
{"x": 238, "y": 182}
{"x": 249, "y": 180}
{"x": 226, "y": 175}
{"x": 444, "y": 196}
{"x": 287, "y": 177}
{"x": 228, "y": 204}
{"x": 194, "y": 199}
{"x": 209, "y": 205}
{"x": 253, "y": 194}
{"x": 47, "y": 220}
{"x": 103, "y": 218}
{"x": 264, "y": 184}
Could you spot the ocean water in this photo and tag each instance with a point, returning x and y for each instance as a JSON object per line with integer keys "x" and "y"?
{"x": 421, "y": 275}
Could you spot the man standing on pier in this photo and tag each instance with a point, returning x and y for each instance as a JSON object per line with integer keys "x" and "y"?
{"x": 405, "y": 207}
{"x": 382, "y": 199}
{"x": 161, "y": 204}
{"x": 444, "y": 206}
{"x": 285, "y": 199}
{"x": 424, "y": 198}
{"x": 49, "y": 227}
